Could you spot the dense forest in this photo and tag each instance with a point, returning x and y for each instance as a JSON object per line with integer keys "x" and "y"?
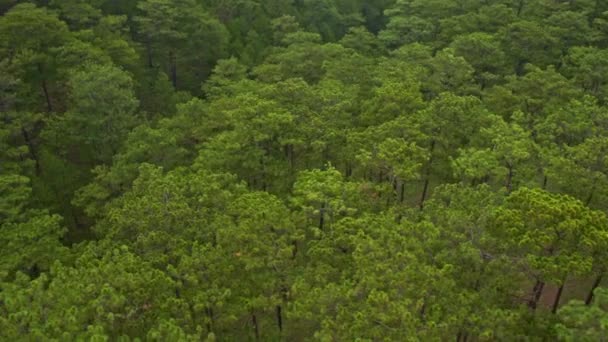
{"x": 299, "y": 170}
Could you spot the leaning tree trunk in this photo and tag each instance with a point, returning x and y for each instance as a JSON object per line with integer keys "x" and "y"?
{"x": 596, "y": 284}
{"x": 45, "y": 90}
{"x": 558, "y": 296}
{"x": 537, "y": 292}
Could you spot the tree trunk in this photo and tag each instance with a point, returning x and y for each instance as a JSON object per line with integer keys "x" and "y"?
{"x": 256, "y": 328}
{"x": 402, "y": 195}
{"x": 545, "y": 181}
{"x": 280, "y": 318}
{"x": 537, "y": 292}
{"x": 322, "y": 216}
{"x": 423, "y": 310}
{"x": 520, "y": 7}
{"x": 596, "y": 284}
{"x": 425, "y": 189}
{"x": 590, "y": 197}
{"x": 211, "y": 319}
{"x": 45, "y": 90}
{"x": 509, "y": 183}
{"x": 49, "y": 106}
{"x": 558, "y": 296}
{"x": 289, "y": 156}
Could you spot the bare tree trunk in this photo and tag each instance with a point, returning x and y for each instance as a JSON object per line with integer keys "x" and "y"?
{"x": 45, "y": 90}
{"x": 322, "y": 216}
{"x": 49, "y": 105}
{"x": 289, "y": 156}
{"x": 280, "y": 318}
{"x": 211, "y": 319}
{"x": 558, "y": 296}
{"x": 256, "y": 328}
{"x": 596, "y": 284}
{"x": 509, "y": 183}
{"x": 537, "y": 292}
{"x": 425, "y": 189}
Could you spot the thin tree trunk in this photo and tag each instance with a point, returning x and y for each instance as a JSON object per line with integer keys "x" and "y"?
{"x": 45, "y": 90}
{"x": 423, "y": 310}
{"x": 49, "y": 105}
{"x": 462, "y": 336}
{"x": 520, "y": 7}
{"x": 322, "y": 216}
{"x": 289, "y": 156}
{"x": 402, "y": 195}
{"x": 536, "y": 294}
{"x": 509, "y": 183}
{"x": 558, "y": 296}
{"x": 211, "y": 319}
{"x": 280, "y": 318}
{"x": 425, "y": 189}
{"x": 590, "y": 197}
{"x": 256, "y": 328}
{"x": 545, "y": 181}
{"x": 596, "y": 284}
{"x": 395, "y": 184}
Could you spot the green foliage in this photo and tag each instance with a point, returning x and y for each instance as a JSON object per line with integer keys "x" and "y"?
{"x": 334, "y": 170}
{"x": 105, "y": 291}
{"x": 174, "y": 32}
{"x": 30, "y": 237}
{"x": 579, "y": 322}
{"x": 30, "y": 37}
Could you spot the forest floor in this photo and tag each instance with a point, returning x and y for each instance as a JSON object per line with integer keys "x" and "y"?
{"x": 575, "y": 288}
